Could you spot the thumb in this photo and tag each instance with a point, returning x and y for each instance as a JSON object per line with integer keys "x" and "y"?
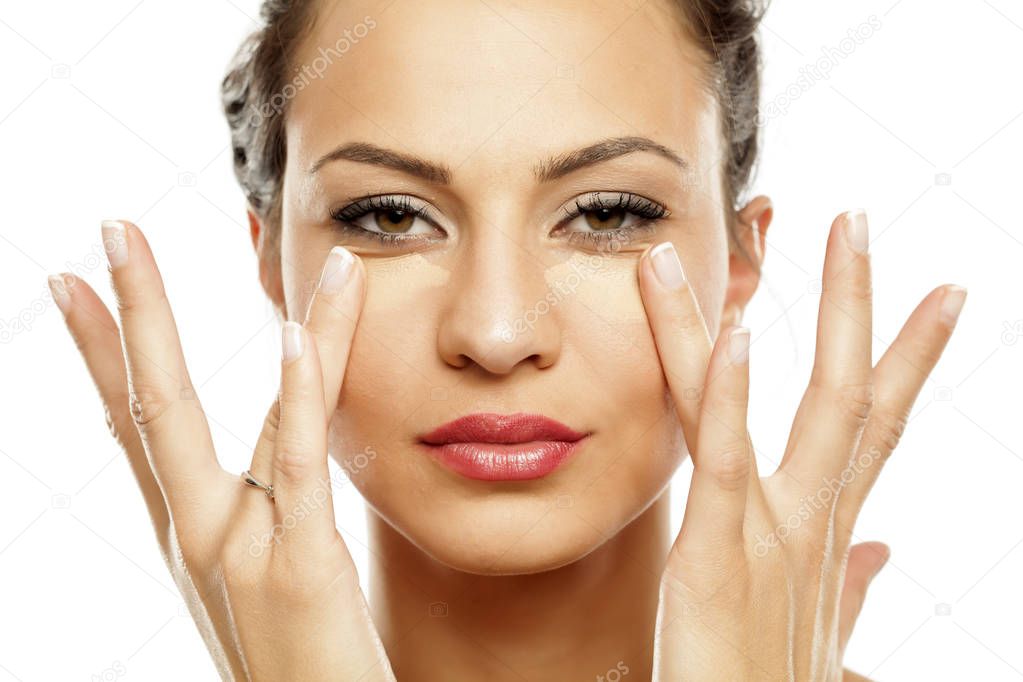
{"x": 865, "y": 562}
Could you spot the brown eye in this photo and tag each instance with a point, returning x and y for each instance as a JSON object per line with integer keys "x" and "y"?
{"x": 605, "y": 218}
{"x": 394, "y": 221}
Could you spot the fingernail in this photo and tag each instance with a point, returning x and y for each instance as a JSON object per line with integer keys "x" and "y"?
{"x": 114, "y": 242}
{"x": 291, "y": 341}
{"x": 952, "y": 304}
{"x": 667, "y": 266}
{"x": 884, "y": 552}
{"x": 738, "y": 345}
{"x": 856, "y": 230}
{"x": 336, "y": 270}
{"x": 60, "y": 293}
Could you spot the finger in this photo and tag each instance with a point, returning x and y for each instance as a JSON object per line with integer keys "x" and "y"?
{"x": 898, "y": 378}
{"x": 166, "y": 410}
{"x": 300, "y": 477}
{"x": 332, "y": 317}
{"x": 262, "y": 456}
{"x": 679, "y": 330}
{"x": 723, "y": 462}
{"x": 98, "y": 339}
{"x": 850, "y": 676}
{"x": 837, "y": 402}
{"x": 865, "y": 562}
{"x": 331, "y": 320}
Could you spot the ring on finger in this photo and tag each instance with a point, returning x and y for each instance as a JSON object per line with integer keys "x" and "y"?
{"x": 249, "y": 479}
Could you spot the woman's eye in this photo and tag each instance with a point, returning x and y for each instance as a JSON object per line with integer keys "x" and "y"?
{"x": 391, "y": 222}
{"x": 611, "y": 215}
{"x": 388, "y": 219}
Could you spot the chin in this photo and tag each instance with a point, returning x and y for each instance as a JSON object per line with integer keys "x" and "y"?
{"x": 499, "y": 534}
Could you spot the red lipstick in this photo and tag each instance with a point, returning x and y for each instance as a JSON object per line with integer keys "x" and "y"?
{"x": 496, "y": 447}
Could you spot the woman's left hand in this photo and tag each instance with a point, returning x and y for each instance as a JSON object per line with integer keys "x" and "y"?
{"x": 761, "y": 582}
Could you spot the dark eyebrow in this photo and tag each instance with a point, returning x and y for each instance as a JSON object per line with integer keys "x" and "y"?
{"x": 363, "y": 152}
{"x": 549, "y": 170}
{"x": 604, "y": 150}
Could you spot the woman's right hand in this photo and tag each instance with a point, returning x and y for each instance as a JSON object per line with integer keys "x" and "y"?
{"x": 269, "y": 581}
{"x": 763, "y": 582}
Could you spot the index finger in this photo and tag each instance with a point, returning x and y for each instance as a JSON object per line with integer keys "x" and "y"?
{"x": 680, "y": 332}
{"x": 332, "y": 317}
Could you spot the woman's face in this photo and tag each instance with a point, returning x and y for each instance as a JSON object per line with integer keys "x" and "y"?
{"x": 502, "y": 296}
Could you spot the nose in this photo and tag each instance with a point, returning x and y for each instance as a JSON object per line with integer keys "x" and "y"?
{"x": 500, "y": 313}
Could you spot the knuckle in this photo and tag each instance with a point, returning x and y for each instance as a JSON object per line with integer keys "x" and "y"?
{"x": 147, "y": 403}
{"x": 133, "y": 297}
{"x": 852, "y": 286}
{"x": 114, "y": 413}
{"x": 295, "y": 397}
{"x": 291, "y": 460}
{"x": 86, "y": 342}
{"x": 886, "y": 428}
{"x": 855, "y": 403}
{"x": 730, "y": 466}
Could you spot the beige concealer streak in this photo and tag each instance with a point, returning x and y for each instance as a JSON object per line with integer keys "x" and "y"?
{"x": 605, "y": 284}
{"x": 414, "y": 269}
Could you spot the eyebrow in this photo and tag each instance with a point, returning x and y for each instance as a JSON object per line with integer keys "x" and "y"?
{"x": 547, "y": 171}
{"x": 363, "y": 152}
{"x": 605, "y": 150}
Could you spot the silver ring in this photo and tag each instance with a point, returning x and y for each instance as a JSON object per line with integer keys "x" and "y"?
{"x": 256, "y": 483}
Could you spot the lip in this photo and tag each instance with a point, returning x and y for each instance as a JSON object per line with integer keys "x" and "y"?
{"x": 495, "y": 447}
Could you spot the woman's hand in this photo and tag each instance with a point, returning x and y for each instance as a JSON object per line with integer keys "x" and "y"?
{"x": 761, "y": 583}
{"x": 269, "y": 581}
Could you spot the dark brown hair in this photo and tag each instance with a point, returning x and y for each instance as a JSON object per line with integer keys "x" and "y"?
{"x": 725, "y": 30}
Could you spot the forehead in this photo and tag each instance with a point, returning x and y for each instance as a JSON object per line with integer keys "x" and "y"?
{"x": 481, "y": 85}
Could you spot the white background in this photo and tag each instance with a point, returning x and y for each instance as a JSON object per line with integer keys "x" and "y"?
{"x": 111, "y": 110}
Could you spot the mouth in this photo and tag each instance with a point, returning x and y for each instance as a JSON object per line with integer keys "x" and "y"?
{"x": 495, "y": 447}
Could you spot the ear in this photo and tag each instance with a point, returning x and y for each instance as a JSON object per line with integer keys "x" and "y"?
{"x": 269, "y": 263}
{"x": 746, "y": 257}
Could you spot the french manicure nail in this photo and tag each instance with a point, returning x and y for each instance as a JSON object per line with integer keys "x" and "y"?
{"x": 114, "y": 242}
{"x": 667, "y": 266}
{"x": 856, "y": 230}
{"x": 336, "y": 270}
{"x": 738, "y": 346}
{"x": 952, "y": 305}
{"x": 291, "y": 341}
{"x": 60, "y": 293}
{"x": 886, "y": 554}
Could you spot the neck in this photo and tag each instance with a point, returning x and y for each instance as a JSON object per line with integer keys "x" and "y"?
{"x": 590, "y": 619}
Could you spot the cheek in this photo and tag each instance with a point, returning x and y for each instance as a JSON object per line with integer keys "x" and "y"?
{"x": 603, "y": 321}
{"x": 605, "y": 324}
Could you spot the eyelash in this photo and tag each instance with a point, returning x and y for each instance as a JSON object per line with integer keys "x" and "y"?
{"x": 649, "y": 212}
{"x": 346, "y": 217}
